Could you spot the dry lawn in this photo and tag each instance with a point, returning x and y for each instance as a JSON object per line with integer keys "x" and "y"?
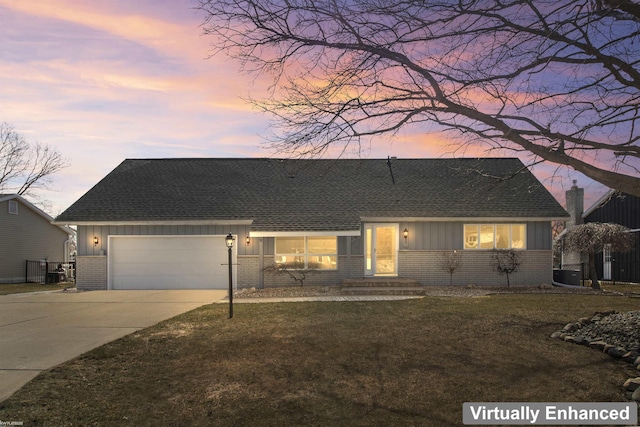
{"x": 18, "y": 288}
{"x": 397, "y": 363}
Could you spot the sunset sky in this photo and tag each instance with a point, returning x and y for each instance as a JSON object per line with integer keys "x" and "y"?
{"x": 106, "y": 80}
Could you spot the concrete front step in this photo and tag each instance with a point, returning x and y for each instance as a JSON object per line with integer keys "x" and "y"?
{"x": 379, "y": 283}
{"x": 394, "y": 290}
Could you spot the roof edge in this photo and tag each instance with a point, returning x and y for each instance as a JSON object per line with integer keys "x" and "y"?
{"x": 160, "y": 222}
{"x": 303, "y": 233}
{"x": 464, "y": 219}
{"x": 606, "y": 196}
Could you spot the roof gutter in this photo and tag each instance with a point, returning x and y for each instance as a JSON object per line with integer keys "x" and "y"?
{"x": 160, "y": 222}
{"x": 351, "y": 233}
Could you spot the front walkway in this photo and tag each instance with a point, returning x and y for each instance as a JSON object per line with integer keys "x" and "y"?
{"x": 258, "y": 300}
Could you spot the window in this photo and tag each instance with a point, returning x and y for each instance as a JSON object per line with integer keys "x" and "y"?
{"x": 494, "y": 236}
{"x": 13, "y": 207}
{"x": 315, "y": 252}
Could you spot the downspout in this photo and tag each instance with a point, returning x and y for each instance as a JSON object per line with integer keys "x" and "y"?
{"x": 71, "y": 240}
{"x": 66, "y": 248}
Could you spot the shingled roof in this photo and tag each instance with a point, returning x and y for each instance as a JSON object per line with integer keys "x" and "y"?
{"x": 313, "y": 195}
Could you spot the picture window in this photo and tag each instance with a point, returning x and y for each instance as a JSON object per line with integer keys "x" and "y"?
{"x": 495, "y": 236}
{"x": 317, "y": 252}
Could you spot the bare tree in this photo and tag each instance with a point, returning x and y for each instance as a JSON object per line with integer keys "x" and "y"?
{"x": 593, "y": 237}
{"x": 296, "y": 270}
{"x": 558, "y": 79}
{"x": 25, "y": 167}
{"x": 450, "y": 262}
{"x": 507, "y": 261}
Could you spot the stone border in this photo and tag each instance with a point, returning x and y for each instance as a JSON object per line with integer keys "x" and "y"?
{"x": 571, "y": 333}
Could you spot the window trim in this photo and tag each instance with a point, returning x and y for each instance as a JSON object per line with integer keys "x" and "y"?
{"x": 306, "y": 254}
{"x": 494, "y": 246}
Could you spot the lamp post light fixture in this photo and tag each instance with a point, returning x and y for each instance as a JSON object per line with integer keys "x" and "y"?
{"x": 229, "y": 242}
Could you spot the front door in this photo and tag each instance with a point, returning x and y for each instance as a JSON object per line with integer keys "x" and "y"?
{"x": 606, "y": 263}
{"x": 381, "y": 249}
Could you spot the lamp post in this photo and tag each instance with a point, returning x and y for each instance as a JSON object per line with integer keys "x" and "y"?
{"x": 229, "y": 242}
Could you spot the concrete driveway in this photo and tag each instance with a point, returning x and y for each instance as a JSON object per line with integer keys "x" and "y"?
{"x": 41, "y": 330}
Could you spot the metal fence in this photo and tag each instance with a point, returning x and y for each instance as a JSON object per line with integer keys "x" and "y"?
{"x": 44, "y": 271}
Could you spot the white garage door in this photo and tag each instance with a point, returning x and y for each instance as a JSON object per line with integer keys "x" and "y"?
{"x": 168, "y": 262}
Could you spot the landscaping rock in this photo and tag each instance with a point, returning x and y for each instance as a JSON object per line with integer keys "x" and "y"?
{"x": 571, "y": 327}
{"x": 632, "y": 384}
{"x": 579, "y": 339}
{"x": 618, "y": 329}
{"x": 584, "y": 320}
{"x": 617, "y": 334}
{"x": 617, "y": 352}
{"x": 597, "y": 345}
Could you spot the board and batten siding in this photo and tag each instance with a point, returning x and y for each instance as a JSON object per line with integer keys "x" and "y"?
{"x": 27, "y": 236}
{"x": 86, "y": 233}
{"x": 448, "y": 235}
{"x": 92, "y": 258}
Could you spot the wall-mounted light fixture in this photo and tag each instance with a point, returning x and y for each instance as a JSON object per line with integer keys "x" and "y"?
{"x": 95, "y": 240}
{"x": 248, "y": 240}
{"x": 405, "y": 233}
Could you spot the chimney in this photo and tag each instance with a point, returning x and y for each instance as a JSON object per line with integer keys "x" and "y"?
{"x": 575, "y": 204}
{"x": 575, "y": 207}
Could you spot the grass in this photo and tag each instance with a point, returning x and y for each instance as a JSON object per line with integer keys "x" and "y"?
{"x": 397, "y": 363}
{"x": 634, "y": 288}
{"x": 19, "y": 288}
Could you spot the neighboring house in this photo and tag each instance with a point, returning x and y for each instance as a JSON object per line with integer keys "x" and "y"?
{"x": 623, "y": 209}
{"x": 27, "y": 233}
{"x": 161, "y": 223}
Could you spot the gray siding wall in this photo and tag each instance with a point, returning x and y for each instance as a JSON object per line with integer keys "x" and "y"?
{"x": 26, "y": 235}
{"x": 449, "y": 235}
{"x": 92, "y": 259}
{"x": 476, "y": 268}
{"x": 418, "y": 258}
{"x": 87, "y": 233}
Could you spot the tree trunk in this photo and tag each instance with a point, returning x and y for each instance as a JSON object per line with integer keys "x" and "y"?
{"x": 592, "y": 272}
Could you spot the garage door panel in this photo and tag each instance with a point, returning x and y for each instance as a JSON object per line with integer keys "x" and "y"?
{"x": 163, "y": 262}
{"x": 169, "y": 269}
{"x": 167, "y": 282}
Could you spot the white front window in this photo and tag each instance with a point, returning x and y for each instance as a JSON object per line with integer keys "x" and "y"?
{"x": 315, "y": 252}
{"x": 495, "y": 236}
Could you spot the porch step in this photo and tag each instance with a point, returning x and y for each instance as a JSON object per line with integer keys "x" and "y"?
{"x": 381, "y": 286}
{"x": 395, "y": 290}
{"x": 379, "y": 282}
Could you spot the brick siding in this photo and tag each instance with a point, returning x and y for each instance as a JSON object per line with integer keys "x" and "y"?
{"x": 248, "y": 271}
{"x": 475, "y": 268}
{"x": 91, "y": 273}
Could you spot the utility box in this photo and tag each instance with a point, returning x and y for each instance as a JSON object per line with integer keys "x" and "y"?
{"x": 567, "y": 277}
